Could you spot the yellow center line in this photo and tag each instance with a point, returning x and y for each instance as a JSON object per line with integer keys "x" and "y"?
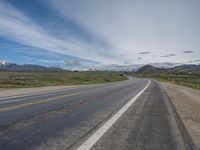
{"x": 42, "y": 101}
{"x": 36, "y": 102}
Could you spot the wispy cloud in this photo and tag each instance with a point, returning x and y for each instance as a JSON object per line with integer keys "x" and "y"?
{"x": 187, "y": 52}
{"x": 109, "y": 32}
{"x": 129, "y": 26}
{"x": 80, "y": 64}
{"x": 27, "y": 58}
{"x": 73, "y": 63}
{"x": 144, "y": 53}
{"x": 168, "y": 55}
{"x": 51, "y": 61}
{"x": 16, "y": 26}
{"x": 194, "y": 61}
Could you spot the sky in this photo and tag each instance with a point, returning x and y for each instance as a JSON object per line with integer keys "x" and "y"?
{"x": 87, "y": 33}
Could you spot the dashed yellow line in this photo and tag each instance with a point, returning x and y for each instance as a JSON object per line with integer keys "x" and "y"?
{"x": 41, "y": 101}
{"x": 36, "y": 102}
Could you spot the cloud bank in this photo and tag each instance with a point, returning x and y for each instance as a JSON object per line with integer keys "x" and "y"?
{"x": 17, "y": 27}
{"x": 128, "y": 26}
{"x": 123, "y": 29}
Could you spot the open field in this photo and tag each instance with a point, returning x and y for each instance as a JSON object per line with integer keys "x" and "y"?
{"x": 184, "y": 80}
{"x": 38, "y": 79}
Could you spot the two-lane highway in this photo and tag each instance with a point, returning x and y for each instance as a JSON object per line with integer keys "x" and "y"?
{"x": 59, "y": 119}
{"x": 64, "y": 119}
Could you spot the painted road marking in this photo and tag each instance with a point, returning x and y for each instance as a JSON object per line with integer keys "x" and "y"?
{"x": 102, "y": 130}
{"x": 6, "y": 98}
{"x": 42, "y": 100}
{"x": 36, "y": 102}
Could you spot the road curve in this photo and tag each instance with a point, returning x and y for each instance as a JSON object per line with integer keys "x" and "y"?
{"x": 64, "y": 119}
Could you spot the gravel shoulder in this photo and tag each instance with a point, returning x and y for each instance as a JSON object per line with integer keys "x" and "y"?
{"x": 187, "y": 104}
{"x": 150, "y": 123}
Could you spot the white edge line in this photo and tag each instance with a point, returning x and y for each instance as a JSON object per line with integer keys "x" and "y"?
{"x": 102, "y": 130}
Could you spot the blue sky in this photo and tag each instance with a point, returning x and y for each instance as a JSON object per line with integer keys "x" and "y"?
{"x": 88, "y": 33}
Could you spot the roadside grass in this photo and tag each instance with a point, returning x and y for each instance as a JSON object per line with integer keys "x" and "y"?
{"x": 183, "y": 80}
{"x": 38, "y": 79}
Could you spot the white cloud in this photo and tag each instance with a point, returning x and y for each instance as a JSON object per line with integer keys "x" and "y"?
{"x": 16, "y": 26}
{"x": 51, "y": 61}
{"x": 130, "y": 26}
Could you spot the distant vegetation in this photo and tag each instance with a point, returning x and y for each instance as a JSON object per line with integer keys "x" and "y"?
{"x": 184, "y": 80}
{"x": 185, "y": 75}
{"x": 12, "y": 79}
{"x": 35, "y": 76}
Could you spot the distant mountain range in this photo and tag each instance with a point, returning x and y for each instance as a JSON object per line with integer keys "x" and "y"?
{"x": 134, "y": 67}
{"x": 177, "y": 70}
{"x": 152, "y": 69}
{"x": 6, "y": 66}
{"x": 148, "y": 69}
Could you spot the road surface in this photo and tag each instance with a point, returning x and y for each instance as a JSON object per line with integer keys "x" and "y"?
{"x": 67, "y": 118}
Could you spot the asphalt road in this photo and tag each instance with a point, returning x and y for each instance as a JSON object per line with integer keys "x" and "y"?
{"x": 65, "y": 119}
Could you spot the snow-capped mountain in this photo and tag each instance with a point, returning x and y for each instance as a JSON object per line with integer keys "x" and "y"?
{"x": 6, "y": 66}
{"x": 3, "y": 63}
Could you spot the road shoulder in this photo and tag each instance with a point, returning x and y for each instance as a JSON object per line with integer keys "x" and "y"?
{"x": 148, "y": 124}
{"x": 187, "y": 104}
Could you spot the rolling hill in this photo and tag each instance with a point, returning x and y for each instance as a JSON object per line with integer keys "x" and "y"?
{"x": 178, "y": 70}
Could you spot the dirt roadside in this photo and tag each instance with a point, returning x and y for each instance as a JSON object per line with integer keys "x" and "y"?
{"x": 187, "y": 104}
